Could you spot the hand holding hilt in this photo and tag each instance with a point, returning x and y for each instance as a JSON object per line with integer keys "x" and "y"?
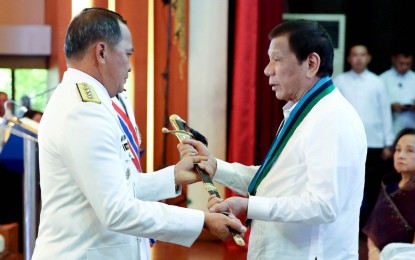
{"x": 182, "y": 131}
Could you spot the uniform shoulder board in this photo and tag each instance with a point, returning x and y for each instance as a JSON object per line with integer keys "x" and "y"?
{"x": 88, "y": 93}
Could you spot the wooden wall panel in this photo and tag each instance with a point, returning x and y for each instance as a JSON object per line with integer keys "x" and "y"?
{"x": 22, "y": 12}
{"x": 175, "y": 98}
{"x": 100, "y": 3}
{"x": 136, "y": 14}
{"x": 58, "y": 15}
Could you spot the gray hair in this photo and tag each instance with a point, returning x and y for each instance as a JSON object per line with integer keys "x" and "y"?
{"x": 90, "y": 26}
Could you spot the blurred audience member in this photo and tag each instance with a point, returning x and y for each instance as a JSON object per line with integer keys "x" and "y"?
{"x": 34, "y": 115}
{"x": 3, "y": 99}
{"x": 366, "y": 92}
{"x": 393, "y": 218}
{"x": 400, "y": 86}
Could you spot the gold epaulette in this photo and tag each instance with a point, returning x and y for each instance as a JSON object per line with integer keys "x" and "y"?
{"x": 88, "y": 93}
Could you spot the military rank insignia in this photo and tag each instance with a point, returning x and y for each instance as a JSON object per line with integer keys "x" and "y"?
{"x": 88, "y": 93}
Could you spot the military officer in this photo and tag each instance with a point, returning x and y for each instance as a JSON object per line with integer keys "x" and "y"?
{"x": 90, "y": 186}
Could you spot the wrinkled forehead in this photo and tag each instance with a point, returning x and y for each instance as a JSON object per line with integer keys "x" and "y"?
{"x": 278, "y": 44}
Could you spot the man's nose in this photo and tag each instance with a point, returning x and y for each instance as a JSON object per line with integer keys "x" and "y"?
{"x": 267, "y": 70}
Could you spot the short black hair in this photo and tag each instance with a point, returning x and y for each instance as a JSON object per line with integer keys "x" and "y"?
{"x": 305, "y": 37}
{"x": 31, "y": 113}
{"x": 405, "y": 131}
{"x": 90, "y": 26}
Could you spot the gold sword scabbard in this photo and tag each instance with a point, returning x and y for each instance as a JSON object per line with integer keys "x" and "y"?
{"x": 180, "y": 131}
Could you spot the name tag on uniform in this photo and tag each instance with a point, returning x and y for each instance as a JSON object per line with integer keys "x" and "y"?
{"x": 124, "y": 143}
{"x": 126, "y": 146}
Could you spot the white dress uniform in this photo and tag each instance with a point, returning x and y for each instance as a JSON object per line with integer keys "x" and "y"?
{"x": 122, "y": 101}
{"x": 308, "y": 205}
{"x": 90, "y": 186}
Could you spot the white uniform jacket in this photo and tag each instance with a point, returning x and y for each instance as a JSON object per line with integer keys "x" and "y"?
{"x": 122, "y": 101}
{"x": 89, "y": 186}
{"x": 308, "y": 205}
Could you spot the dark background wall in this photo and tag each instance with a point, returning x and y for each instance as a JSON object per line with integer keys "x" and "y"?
{"x": 382, "y": 25}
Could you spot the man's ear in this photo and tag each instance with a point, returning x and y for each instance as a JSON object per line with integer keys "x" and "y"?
{"x": 313, "y": 64}
{"x": 100, "y": 52}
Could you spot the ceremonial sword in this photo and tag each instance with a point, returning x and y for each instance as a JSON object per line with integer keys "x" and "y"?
{"x": 182, "y": 131}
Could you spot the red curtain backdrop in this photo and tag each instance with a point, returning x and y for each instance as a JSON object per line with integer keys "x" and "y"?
{"x": 244, "y": 78}
{"x": 255, "y": 113}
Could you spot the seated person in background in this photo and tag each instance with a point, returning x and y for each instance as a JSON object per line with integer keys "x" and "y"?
{"x": 393, "y": 218}
{"x": 3, "y": 99}
{"x": 34, "y": 115}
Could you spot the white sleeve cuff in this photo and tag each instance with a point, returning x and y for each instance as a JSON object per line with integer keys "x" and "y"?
{"x": 258, "y": 208}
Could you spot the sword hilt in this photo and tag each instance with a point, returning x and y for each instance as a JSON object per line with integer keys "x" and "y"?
{"x": 182, "y": 131}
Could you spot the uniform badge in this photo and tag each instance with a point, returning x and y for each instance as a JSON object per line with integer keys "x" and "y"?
{"x": 124, "y": 143}
{"x": 126, "y": 146}
{"x": 87, "y": 93}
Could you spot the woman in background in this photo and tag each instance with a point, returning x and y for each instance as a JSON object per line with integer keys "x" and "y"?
{"x": 393, "y": 218}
